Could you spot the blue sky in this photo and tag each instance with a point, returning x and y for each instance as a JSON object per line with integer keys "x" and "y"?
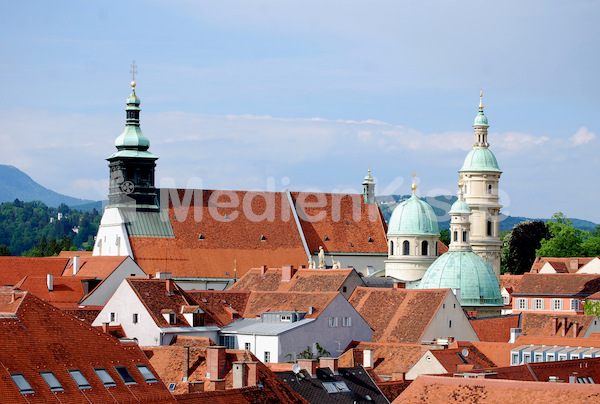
{"x": 305, "y": 94}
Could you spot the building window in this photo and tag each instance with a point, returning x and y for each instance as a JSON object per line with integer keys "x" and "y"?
{"x": 80, "y": 379}
{"x": 267, "y": 357}
{"x": 424, "y": 247}
{"x": 455, "y": 235}
{"x": 489, "y": 228}
{"x": 103, "y": 375}
{"x": 146, "y": 373}
{"x": 333, "y": 321}
{"x": 557, "y": 304}
{"x": 247, "y": 346}
{"x": 227, "y": 341}
{"x": 515, "y": 359}
{"x": 538, "y": 304}
{"x": 172, "y": 319}
{"x": 391, "y": 248}
{"x": 464, "y": 236}
{"x": 449, "y": 323}
{"x": 405, "y": 248}
{"x": 113, "y": 317}
{"x": 489, "y": 189}
{"x": 51, "y": 381}
{"x": 437, "y": 246}
{"x": 344, "y": 289}
{"x": 574, "y": 304}
{"x": 346, "y": 321}
{"x": 505, "y": 300}
{"x": 125, "y": 375}
{"x": 135, "y": 318}
{"x": 22, "y": 383}
{"x": 522, "y": 304}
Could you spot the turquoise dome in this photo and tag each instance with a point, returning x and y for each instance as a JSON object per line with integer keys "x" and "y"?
{"x": 460, "y": 207}
{"x": 480, "y": 159}
{"x": 468, "y": 272}
{"x": 132, "y": 137}
{"x": 413, "y": 217}
{"x": 480, "y": 120}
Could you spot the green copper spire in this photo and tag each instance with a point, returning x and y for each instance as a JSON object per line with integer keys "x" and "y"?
{"x": 481, "y": 119}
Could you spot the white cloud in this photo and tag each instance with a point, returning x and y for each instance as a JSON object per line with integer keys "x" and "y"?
{"x": 583, "y": 136}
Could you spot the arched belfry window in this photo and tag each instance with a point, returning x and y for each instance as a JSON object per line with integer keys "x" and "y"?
{"x": 489, "y": 189}
{"x": 489, "y": 228}
{"x": 391, "y": 248}
{"x": 406, "y": 248}
{"x": 464, "y": 236}
{"x": 424, "y": 247}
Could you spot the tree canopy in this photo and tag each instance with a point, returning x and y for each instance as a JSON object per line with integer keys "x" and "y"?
{"x": 567, "y": 241}
{"x": 520, "y": 245}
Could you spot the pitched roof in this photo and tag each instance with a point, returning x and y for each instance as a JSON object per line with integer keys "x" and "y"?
{"x": 407, "y": 313}
{"x": 314, "y": 390}
{"x": 510, "y": 281}
{"x": 303, "y": 280}
{"x": 259, "y": 302}
{"x": 558, "y": 341}
{"x": 558, "y": 284}
{"x": 95, "y": 267}
{"x": 340, "y": 223}
{"x": 440, "y": 389}
{"x": 497, "y": 352}
{"x": 13, "y": 269}
{"x": 388, "y": 357}
{"x": 39, "y": 337}
{"x": 442, "y": 248}
{"x": 540, "y": 324}
{"x": 218, "y": 304}
{"x": 570, "y": 264}
{"x": 66, "y": 289}
{"x": 453, "y": 359}
{"x": 87, "y": 314}
{"x": 494, "y": 329}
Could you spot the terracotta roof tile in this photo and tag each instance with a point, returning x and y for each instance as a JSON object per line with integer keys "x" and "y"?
{"x": 95, "y": 267}
{"x": 494, "y": 329}
{"x": 453, "y": 359}
{"x": 407, "y": 312}
{"x": 510, "y": 281}
{"x": 540, "y": 324}
{"x": 563, "y": 284}
{"x": 387, "y": 357}
{"x": 66, "y": 289}
{"x": 497, "y": 352}
{"x": 153, "y": 294}
{"x": 39, "y": 337}
{"x": 288, "y": 301}
{"x": 571, "y": 264}
{"x": 211, "y": 302}
{"x": 13, "y": 269}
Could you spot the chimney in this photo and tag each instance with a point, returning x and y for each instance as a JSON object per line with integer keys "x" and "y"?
{"x": 554, "y": 326}
{"x": 75, "y": 265}
{"x": 368, "y": 360}
{"x": 575, "y": 329}
{"x": 170, "y": 285}
{"x": 563, "y": 322}
{"x": 287, "y": 271}
{"x": 311, "y": 310}
{"x": 573, "y": 377}
{"x": 399, "y": 285}
{"x": 163, "y": 275}
{"x": 196, "y": 387}
{"x": 105, "y": 328}
{"x": 331, "y": 363}
{"x": 251, "y": 374}
{"x": 50, "y": 282}
{"x": 398, "y": 376}
{"x": 310, "y": 365}
{"x": 263, "y": 269}
{"x": 514, "y": 334}
{"x": 216, "y": 385}
{"x": 573, "y": 265}
{"x": 186, "y": 363}
{"x": 215, "y": 361}
{"x": 239, "y": 375}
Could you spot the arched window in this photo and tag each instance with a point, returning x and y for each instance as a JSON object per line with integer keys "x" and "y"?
{"x": 489, "y": 189}
{"x": 391, "y": 248}
{"x": 406, "y": 248}
{"x": 489, "y": 228}
{"x": 424, "y": 247}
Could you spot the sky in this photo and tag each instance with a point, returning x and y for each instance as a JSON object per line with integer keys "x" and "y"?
{"x": 306, "y": 95}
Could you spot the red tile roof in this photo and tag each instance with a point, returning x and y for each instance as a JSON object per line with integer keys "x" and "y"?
{"x": 559, "y": 341}
{"x": 387, "y": 357}
{"x": 246, "y": 395}
{"x": 38, "y": 337}
{"x": 571, "y": 264}
{"x": 558, "y": 284}
{"x": 442, "y": 248}
{"x": 66, "y": 289}
{"x": 215, "y": 304}
{"x": 494, "y": 329}
{"x": 510, "y": 281}
{"x": 13, "y": 269}
{"x": 497, "y": 352}
{"x": 452, "y": 359}
{"x": 259, "y": 302}
{"x": 153, "y": 294}
{"x": 440, "y": 389}
{"x": 95, "y": 267}
{"x": 397, "y": 315}
{"x": 540, "y": 324}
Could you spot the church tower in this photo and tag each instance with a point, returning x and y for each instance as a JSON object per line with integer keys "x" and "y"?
{"x": 481, "y": 174}
{"x": 369, "y": 188}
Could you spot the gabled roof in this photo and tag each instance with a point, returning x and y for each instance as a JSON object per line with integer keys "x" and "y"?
{"x": 87, "y": 314}
{"x": 540, "y": 324}
{"x": 558, "y": 341}
{"x": 38, "y": 337}
{"x": 510, "y": 281}
{"x": 153, "y": 294}
{"x": 495, "y": 329}
{"x": 303, "y": 280}
{"x": 454, "y": 359}
{"x": 246, "y": 395}
{"x": 95, "y": 267}
{"x": 440, "y": 389}
{"x": 169, "y": 362}
{"x": 497, "y": 352}
{"x": 218, "y": 305}
{"x": 397, "y": 315}
{"x": 13, "y": 269}
{"x": 66, "y": 289}
{"x": 558, "y": 284}
{"x": 387, "y": 357}
{"x": 314, "y": 390}
{"x": 259, "y": 302}
{"x": 570, "y": 264}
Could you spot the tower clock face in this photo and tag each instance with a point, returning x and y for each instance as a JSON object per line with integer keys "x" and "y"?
{"x": 127, "y": 187}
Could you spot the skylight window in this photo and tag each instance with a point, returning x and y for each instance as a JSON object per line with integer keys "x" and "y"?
{"x": 51, "y": 381}
{"x": 105, "y": 377}
{"x": 172, "y": 386}
{"x": 22, "y": 383}
{"x": 148, "y": 375}
{"x": 125, "y": 375}
{"x": 80, "y": 379}
{"x": 336, "y": 387}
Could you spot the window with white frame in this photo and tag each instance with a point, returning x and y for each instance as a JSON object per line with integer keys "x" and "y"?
{"x": 333, "y": 321}
{"x": 247, "y": 346}
{"x": 505, "y": 299}
{"x": 538, "y": 304}
{"x": 522, "y": 304}
{"x": 574, "y": 304}
{"x": 557, "y": 304}
{"x": 346, "y": 321}
{"x": 113, "y": 317}
{"x": 267, "y": 357}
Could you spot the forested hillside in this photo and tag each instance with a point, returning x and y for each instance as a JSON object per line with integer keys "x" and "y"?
{"x": 32, "y": 228}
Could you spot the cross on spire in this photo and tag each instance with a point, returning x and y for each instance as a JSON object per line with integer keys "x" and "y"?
{"x": 133, "y": 70}
{"x": 414, "y": 184}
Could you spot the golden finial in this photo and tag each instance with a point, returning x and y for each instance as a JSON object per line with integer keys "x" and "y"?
{"x": 414, "y": 185}
{"x": 369, "y": 168}
{"x": 481, "y": 99}
{"x": 460, "y": 182}
{"x": 133, "y": 72}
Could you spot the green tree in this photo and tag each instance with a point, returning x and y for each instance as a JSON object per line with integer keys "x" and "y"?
{"x": 4, "y": 251}
{"x": 566, "y": 240}
{"x": 445, "y": 236}
{"x": 520, "y": 244}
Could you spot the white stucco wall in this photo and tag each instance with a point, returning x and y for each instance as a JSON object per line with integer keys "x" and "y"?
{"x": 358, "y": 262}
{"x": 112, "y": 239}
{"x": 107, "y": 287}
{"x": 450, "y": 321}
{"x": 426, "y": 365}
{"x": 592, "y": 267}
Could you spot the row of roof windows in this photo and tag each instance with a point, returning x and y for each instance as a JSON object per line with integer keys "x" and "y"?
{"x": 78, "y": 377}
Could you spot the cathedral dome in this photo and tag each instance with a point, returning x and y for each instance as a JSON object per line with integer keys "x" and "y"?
{"x": 468, "y": 272}
{"x": 460, "y": 207}
{"x": 413, "y": 217}
{"x": 481, "y": 120}
{"x": 480, "y": 159}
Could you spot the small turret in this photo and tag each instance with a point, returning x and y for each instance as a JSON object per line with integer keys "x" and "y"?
{"x": 369, "y": 188}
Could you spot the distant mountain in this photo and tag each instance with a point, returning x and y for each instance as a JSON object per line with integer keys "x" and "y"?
{"x": 442, "y": 203}
{"x": 15, "y": 184}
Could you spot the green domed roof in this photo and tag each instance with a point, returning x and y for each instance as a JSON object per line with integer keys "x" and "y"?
{"x": 480, "y": 159}
{"x": 413, "y": 217}
{"x": 480, "y": 120}
{"x": 460, "y": 206}
{"x": 468, "y": 272}
{"x": 132, "y": 136}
